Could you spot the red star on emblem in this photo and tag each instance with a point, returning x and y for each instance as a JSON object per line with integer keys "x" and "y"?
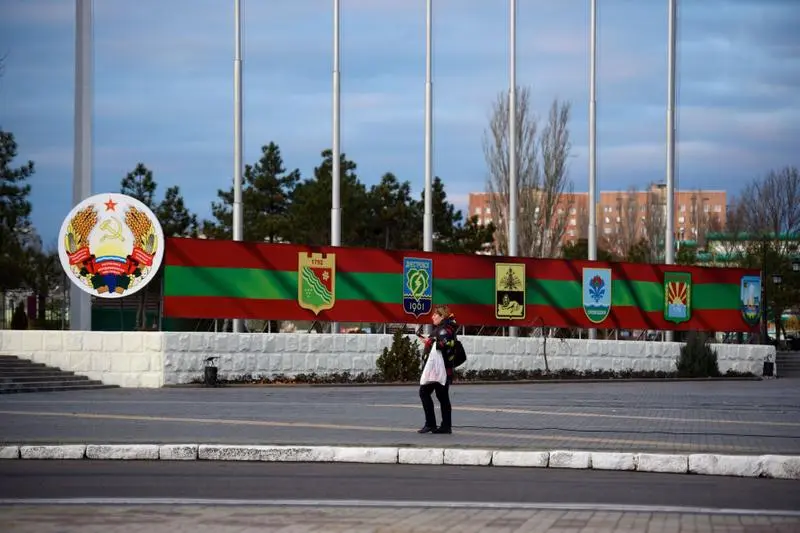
{"x": 110, "y": 205}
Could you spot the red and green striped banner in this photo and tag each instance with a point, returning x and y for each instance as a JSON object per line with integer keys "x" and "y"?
{"x": 227, "y": 279}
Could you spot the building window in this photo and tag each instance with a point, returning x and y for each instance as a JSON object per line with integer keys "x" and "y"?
{"x": 681, "y": 220}
{"x": 607, "y": 231}
{"x": 572, "y": 211}
{"x": 683, "y": 208}
{"x": 718, "y": 209}
{"x": 488, "y": 210}
{"x": 706, "y": 208}
{"x": 560, "y": 210}
{"x": 477, "y": 210}
{"x": 607, "y": 220}
{"x": 571, "y": 233}
{"x": 573, "y": 222}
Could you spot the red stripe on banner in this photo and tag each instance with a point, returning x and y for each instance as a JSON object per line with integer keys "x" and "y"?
{"x": 354, "y": 311}
{"x": 284, "y": 257}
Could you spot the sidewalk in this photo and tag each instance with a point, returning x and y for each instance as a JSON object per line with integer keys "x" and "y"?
{"x": 223, "y": 519}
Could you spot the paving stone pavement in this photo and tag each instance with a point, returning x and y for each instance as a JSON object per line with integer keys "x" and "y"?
{"x": 249, "y": 519}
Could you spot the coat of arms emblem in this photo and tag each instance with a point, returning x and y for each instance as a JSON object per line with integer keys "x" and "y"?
{"x": 316, "y": 281}
{"x": 417, "y": 286}
{"x": 750, "y": 295}
{"x": 509, "y": 291}
{"x": 597, "y": 293}
{"x": 111, "y": 245}
{"x": 677, "y": 296}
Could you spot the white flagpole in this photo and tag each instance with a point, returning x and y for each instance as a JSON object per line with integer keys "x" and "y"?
{"x": 512, "y": 133}
{"x": 593, "y": 140}
{"x": 336, "y": 211}
{"x": 80, "y": 302}
{"x": 238, "y": 223}
{"x": 512, "y": 139}
{"x": 427, "y": 223}
{"x": 669, "y": 236}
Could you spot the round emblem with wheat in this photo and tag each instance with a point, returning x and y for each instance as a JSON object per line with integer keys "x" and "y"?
{"x": 111, "y": 245}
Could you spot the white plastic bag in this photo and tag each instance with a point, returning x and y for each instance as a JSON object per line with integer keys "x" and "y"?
{"x": 434, "y": 370}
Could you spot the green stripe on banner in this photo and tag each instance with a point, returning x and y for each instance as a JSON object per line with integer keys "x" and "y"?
{"x": 275, "y": 285}
{"x": 388, "y": 288}
{"x": 716, "y": 296}
{"x": 230, "y": 282}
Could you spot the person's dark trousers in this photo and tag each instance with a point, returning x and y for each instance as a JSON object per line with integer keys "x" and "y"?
{"x": 443, "y": 395}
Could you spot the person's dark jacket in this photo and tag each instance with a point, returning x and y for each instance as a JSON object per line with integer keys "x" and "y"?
{"x": 444, "y": 336}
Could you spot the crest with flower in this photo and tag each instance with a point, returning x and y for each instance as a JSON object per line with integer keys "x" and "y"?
{"x": 597, "y": 288}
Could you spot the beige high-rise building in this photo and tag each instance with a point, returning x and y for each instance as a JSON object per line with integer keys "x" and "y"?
{"x": 624, "y": 217}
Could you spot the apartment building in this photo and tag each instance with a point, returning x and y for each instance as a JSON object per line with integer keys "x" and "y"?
{"x": 634, "y": 213}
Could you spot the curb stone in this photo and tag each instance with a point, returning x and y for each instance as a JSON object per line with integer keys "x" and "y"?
{"x": 128, "y": 452}
{"x": 201, "y": 385}
{"x": 178, "y": 452}
{"x": 69, "y": 451}
{"x": 768, "y": 465}
{"x": 9, "y": 452}
{"x": 665, "y": 463}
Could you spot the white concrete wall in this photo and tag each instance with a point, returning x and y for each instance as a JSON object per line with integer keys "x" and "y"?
{"x": 290, "y": 354}
{"x": 126, "y": 359}
{"x": 157, "y": 359}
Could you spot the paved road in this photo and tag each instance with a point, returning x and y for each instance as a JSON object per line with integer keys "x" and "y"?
{"x": 243, "y": 497}
{"x": 723, "y": 417}
{"x": 408, "y": 483}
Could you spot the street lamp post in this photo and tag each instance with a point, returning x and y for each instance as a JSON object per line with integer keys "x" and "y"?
{"x": 776, "y": 313}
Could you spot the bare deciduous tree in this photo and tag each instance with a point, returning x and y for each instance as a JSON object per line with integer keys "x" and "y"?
{"x": 701, "y": 219}
{"x": 655, "y": 221}
{"x": 731, "y": 243}
{"x": 773, "y": 203}
{"x": 542, "y": 183}
{"x": 628, "y": 223}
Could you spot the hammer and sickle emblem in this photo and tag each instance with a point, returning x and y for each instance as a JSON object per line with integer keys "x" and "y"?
{"x": 112, "y": 229}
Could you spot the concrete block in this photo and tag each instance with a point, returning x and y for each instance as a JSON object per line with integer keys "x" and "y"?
{"x": 375, "y": 455}
{"x": 781, "y": 466}
{"x": 120, "y": 362}
{"x": 527, "y": 459}
{"x": 52, "y": 341}
{"x": 122, "y": 451}
{"x": 178, "y": 452}
{"x": 72, "y": 341}
{"x": 570, "y": 459}
{"x": 154, "y": 341}
{"x": 9, "y": 452}
{"x": 725, "y": 465}
{"x": 454, "y": 456}
{"x": 278, "y": 454}
{"x": 420, "y": 456}
{"x": 139, "y": 362}
{"x": 613, "y": 461}
{"x": 655, "y": 462}
{"x": 132, "y": 342}
{"x": 65, "y": 451}
{"x": 32, "y": 341}
{"x": 112, "y": 342}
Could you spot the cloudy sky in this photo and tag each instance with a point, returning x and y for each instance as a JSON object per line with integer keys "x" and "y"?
{"x": 164, "y": 93}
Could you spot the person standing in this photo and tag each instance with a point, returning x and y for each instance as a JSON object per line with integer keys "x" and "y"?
{"x": 443, "y": 338}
